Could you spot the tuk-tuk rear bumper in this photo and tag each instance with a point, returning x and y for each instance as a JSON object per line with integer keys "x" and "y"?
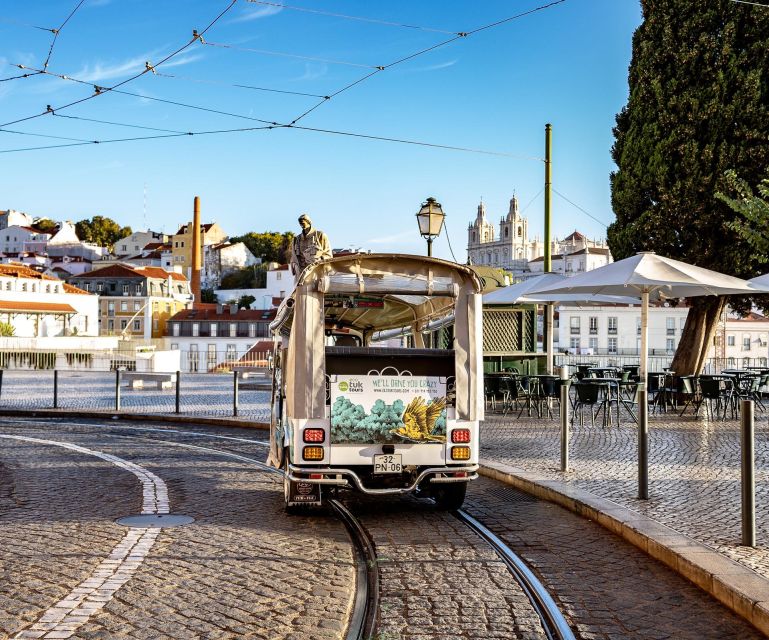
{"x": 431, "y": 474}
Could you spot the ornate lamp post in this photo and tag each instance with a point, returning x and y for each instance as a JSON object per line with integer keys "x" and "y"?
{"x": 430, "y": 218}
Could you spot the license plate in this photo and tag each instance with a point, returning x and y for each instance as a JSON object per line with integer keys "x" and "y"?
{"x": 388, "y": 463}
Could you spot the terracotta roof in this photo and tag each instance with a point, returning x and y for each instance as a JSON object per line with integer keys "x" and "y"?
{"x": 203, "y": 227}
{"x": 70, "y": 288}
{"x": 150, "y": 246}
{"x": 574, "y": 236}
{"x": 208, "y": 314}
{"x": 35, "y": 307}
{"x": 751, "y": 317}
{"x": 599, "y": 251}
{"x": 22, "y": 271}
{"x": 553, "y": 258}
{"x": 127, "y": 271}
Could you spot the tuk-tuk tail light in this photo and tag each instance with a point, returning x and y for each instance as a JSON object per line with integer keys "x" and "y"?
{"x": 460, "y": 435}
{"x": 313, "y": 453}
{"x": 314, "y": 435}
{"x": 460, "y": 453}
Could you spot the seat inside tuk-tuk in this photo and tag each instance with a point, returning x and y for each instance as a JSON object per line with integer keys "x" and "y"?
{"x": 383, "y": 360}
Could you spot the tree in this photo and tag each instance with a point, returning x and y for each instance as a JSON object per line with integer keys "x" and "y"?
{"x": 7, "y": 330}
{"x": 46, "y": 225}
{"x": 698, "y": 105}
{"x": 752, "y": 222}
{"x": 245, "y": 302}
{"x": 269, "y": 246}
{"x": 101, "y": 231}
{"x": 207, "y": 295}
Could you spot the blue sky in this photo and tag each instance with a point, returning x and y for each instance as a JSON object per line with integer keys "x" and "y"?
{"x": 493, "y": 90}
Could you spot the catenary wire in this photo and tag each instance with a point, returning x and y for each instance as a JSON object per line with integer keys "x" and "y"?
{"x": 531, "y": 202}
{"x": 755, "y": 4}
{"x": 26, "y": 24}
{"x": 196, "y": 36}
{"x": 122, "y": 92}
{"x": 116, "y": 124}
{"x": 238, "y": 86}
{"x": 349, "y": 17}
{"x": 589, "y": 215}
{"x": 42, "y": 135}
{"x": 448, "y": 239}
{"x": 57, "y": 31}
{"x": 283, "y": 54}
{"x": 458, "y": 36}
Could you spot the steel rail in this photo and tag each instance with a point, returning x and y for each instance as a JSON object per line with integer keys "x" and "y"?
{"x": 364, "y": 614}
{"x": 553, "y": 622}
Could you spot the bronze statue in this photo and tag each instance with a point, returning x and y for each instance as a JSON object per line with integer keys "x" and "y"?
{"x": 309, "y": 247}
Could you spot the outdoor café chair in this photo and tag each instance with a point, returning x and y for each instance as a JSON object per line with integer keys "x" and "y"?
{"x": 713, "y": 391}
{"x": 689, "y": 392}
{"x": 588, "y": 395}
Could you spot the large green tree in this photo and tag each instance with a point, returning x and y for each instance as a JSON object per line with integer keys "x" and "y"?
{"x": 102, "y": 231}
{"x": 270, "y": 246}
{"x": 698, "y": 106}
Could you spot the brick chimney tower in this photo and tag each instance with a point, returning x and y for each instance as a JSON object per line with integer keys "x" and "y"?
{"x": 196, "y": 258}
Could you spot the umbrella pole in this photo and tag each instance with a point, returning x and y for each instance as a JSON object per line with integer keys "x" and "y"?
{"x": 549, "y": 339}
{"x": 643, "y": 407}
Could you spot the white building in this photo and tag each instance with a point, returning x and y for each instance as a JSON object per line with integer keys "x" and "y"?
{"x": 223, "y": 258}
{"x": 12, "y": 217}
{"x": 514, "y": 251}
{"x": 574, "y": 262}
{"x": 18, "y": 239}
{"x": 746, "y": 343}
{"x": 280, "y": 283}
{"x": 40, "y": 306}
{"x": 137, "y": 242}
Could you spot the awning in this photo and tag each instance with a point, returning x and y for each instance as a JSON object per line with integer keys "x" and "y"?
{"x": 43, "y": 308}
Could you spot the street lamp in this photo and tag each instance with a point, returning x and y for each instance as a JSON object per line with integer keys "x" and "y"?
{"x": 430, "y": 218}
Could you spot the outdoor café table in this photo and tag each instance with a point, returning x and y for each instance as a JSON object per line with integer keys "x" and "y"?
{"x": 726, "y": 383}
{"x": 605, "y": 372}
{"x": 741, "y": 388}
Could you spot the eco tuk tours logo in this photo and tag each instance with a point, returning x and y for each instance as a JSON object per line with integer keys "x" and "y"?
{"x": 351, "y": 386}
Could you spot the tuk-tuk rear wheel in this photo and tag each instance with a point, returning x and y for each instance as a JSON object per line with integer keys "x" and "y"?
{"x": 449, "y": 496}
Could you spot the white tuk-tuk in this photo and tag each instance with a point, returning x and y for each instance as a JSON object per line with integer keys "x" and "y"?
{"x": 349, "y": 413}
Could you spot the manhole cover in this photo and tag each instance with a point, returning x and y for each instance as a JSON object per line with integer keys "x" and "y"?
{"x": 147, "y": 521}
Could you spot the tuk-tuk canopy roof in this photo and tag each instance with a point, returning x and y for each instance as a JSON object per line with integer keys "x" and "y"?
{"x": 373, "y": 292}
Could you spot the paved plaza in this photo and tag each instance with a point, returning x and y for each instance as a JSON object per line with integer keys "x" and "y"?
{"x": 694, "y": 462}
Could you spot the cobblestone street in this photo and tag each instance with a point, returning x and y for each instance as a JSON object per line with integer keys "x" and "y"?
{"x": 245, "y": 569}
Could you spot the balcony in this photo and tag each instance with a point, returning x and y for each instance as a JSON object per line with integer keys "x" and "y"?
{"x": 574, "y": 331}
{"x": 593, "y": 331}
{"x": 612, "y": 331}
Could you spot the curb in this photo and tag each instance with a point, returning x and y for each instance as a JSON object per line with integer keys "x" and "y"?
{"x": 134, "y": 417}
{"x": 740, "y": 589}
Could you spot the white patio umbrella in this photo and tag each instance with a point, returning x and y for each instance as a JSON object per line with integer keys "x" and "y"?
{"x": 654, "y": 277}
{"x": 760, "y": 282}
{"x": 520, "y": 293}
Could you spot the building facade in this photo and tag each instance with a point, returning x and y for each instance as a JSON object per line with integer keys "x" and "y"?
{"x": 512, "y": 249}
{"x": 181, "y": 244}
{"x": 39, "y": 306}
{"x": 223, "y": 258}
{"x": 135, "y": 301}
{"x": 214, "y": 337}
{"x": 135, "y": 243}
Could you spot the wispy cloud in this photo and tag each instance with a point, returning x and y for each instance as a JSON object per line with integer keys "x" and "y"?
{"x": 312, "y": 71}
{"x": 98, "y": 3}
{"x": 99, "y": 71}
{"x": 252, "y": 13}
{"x": 432, "y": 67}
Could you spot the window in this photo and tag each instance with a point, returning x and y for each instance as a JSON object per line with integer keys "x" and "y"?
{"x": 182, "y": 244}
{"x": 214, "y": 328}
{"x": 746, "y": 343}
{"x": 232, "y": 353}
{"x": 125, "y": 289}
{"x": 279, "y": 275}
{"x": 233, "y": 329}
{"x": 670, "y": 326}
{"x": 124, "y": 306}
{"x": 8, "y": 285}
{"x": 612, "y": 345}
{"x": 593, "y": 321}
{"x": 211, "y": 356}
{"x": 124, "y": 247}
{"x": 23, "y": 286}
{"x": 193, "y": 358}
{"x": 175, "y": 328}
{"x": 730, "y": 341}
{"x": 174, "y": 346}
{"x": 137, "y": 325}
{"x": 762, "y": 340}
{"x": 99, "y": 286}
{"x": 593, "y": 344}
{"x": 48, "y": 288}
{"x": 137, "y": 305}
{"x": 574, "y": 343}
{"x": 574, "y": 324}
{"x": 123, "y": 324}
{"x": 670, "y": 345}
{"x": 138, "y": 289}
{"x": 252, "y": 329}
{"x": 155, "y": 324}
{"x": 111, "y": 325}
{"x": 195, "y": 329}
{"x": 638, "y": 326}
{"x": 110, "y": 308}
{"x": 612, "y": 330}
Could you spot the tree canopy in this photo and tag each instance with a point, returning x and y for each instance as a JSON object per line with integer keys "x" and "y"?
{"x": 752, "y": 222}
{"x": 101, "y": 231}
{"x": 270, "y": 246}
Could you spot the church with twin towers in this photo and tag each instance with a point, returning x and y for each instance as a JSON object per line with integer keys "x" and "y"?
{"x": 511, "y": 249}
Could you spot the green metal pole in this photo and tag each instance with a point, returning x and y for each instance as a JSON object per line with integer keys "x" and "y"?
{"x": 429, "y": 247}
{"x": 548, "y": 185}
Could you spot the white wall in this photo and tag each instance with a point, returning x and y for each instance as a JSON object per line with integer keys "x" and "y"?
{"x": 280, "y": 283}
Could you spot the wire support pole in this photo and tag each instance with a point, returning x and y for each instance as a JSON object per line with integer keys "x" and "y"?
{"x": 178, "y": 406}
{"x": 748, "y": 451}
{"x": 235, "y": 394}
{"x": 565, "y": 435}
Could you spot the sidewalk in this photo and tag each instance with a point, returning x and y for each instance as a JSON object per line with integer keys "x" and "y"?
{"x": 694, "y": 490}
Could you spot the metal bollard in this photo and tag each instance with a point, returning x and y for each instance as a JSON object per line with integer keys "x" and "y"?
{"x": 643, "y": 444}
{"x": 748, "y": 449}
{"x": 235, "y": 393}
{"x": 117, "y": 389}
{"x": 55, "y": 389}
{"x": 564, "y": 418}
{"x": 178, "y": 392}
{"x": 1, "y": 381}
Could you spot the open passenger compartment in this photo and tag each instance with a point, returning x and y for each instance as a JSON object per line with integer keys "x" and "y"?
{"x": 389, "y": 361}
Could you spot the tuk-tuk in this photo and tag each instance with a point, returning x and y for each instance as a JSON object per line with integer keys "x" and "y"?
{"x": 388, "y": 417}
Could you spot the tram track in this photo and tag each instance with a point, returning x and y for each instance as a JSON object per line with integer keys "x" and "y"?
{"x": 363, "y": 619}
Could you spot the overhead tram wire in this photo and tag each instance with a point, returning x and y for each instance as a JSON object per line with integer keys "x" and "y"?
{"x": 283, "y": 54}
{"x": 56, "y": 33}
{"x": 457, "y": 36}
{"x": 117, "y": 124}
{"x": 238, "y": 86}
{"x": 349, "y": 17}
{"x": 26, "y": 24}
{"x": 197, "y": 35}
{"x": 588, "y": 214}
{"x": 43, "y": 135}
{"x": 122, "y": 92}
